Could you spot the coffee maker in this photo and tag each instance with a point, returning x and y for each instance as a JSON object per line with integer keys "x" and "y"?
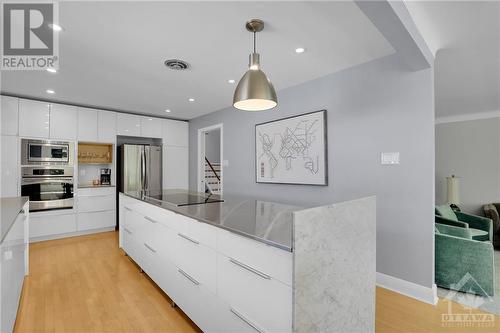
{"x": 105, "y": 176}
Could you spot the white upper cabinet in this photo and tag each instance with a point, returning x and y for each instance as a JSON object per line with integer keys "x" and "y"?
{"x": 63, "y": 121}
{"x": 34, "y": 117}
{"x": 151, "y": 127}
{"x": 9, "y": 168}
{"x": 175, "y": 167}
{"x": 87, "y": 124}
{"x": 106, "y": 126}
{"x": 128, "y": 124}
{"x": 175, "y": 133}
{"x": 9, "y": 116}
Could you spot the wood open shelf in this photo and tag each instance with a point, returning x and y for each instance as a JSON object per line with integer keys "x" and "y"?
{"x": 95, "y": 153}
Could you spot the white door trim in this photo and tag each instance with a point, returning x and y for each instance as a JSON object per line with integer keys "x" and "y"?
{"x": 201, "y": 156}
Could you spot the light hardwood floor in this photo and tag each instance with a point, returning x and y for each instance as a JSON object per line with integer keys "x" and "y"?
{"x": 86, "y": 284}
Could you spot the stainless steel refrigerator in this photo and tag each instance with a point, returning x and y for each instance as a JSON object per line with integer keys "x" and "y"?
{"x": 141, "y": 169}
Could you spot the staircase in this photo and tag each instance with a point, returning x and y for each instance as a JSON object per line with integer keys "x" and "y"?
{"x": 212, "y": 177}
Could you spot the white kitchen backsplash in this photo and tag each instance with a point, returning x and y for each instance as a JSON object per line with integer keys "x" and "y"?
{"x": 89, "y": 172}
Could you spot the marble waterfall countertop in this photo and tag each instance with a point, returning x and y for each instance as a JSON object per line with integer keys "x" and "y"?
{"x": 10, "y": 208}
{"x": 264, "y": 221}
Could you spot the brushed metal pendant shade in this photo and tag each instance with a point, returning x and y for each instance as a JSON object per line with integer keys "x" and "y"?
{"x": 254, "y": 92}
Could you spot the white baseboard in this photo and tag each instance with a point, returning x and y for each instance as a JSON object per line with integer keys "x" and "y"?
{"x": 70, "y": 234}
{"x": 407, "y": 288}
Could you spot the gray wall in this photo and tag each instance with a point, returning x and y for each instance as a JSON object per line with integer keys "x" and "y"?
{"x": 212, "y": 146}
{"x": 375, "y": 107}
{"x": 470, "y": 150}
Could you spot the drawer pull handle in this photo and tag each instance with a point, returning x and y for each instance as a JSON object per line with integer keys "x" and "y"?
{"x": 130, "y": 232}
{"x": 250, "y": 269}
{"x": 150, "y": 219}
{"x": 149, "y": 248}
{"x": 188, "y": 238}
{"x": 127, "y": 208}
{"x": 187, "y": 276}
{"x": 246, "y": 321}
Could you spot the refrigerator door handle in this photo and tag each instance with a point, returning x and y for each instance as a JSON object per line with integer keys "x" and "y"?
{"x": 143, "y": 169}
{"x": 146, "y": 169}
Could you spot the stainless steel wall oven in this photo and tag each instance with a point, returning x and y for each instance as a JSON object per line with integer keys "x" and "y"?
{"x": 48, "y": 187}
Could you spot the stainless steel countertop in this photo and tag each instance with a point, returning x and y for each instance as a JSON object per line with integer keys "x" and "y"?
{"x": 264, "y": 221}
{"x": 10, "y": 208}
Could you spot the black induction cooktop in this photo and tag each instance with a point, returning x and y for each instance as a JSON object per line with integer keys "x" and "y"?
{"x": 186, "y": 199}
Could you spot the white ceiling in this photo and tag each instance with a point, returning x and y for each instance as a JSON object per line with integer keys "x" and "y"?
{"x": 112, "y": 53}
{"x": 465, "y": 35}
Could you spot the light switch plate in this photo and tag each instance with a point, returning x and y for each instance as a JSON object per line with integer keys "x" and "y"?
{"x": 389, "y": 158}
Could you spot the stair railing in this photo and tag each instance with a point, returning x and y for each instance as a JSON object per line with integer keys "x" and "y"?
{"x": 212, "y": 168}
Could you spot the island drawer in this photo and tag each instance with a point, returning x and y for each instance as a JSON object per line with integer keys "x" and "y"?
{"x": 197, "y": 259}
{"x": 263, "y": 300}
{"x": 161, "y": 238}
{"x": 267, "y": 259}
{"x": 201, "y": 232}
{"x": 161, "y": 215}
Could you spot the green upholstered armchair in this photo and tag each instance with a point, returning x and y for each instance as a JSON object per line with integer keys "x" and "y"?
{"x": 481, "y": 227}
{"x": 458, "y": 254}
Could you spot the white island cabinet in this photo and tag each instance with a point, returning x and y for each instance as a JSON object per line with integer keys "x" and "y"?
{"x": 231, "y": 267}
{"x": 222, "y": 281}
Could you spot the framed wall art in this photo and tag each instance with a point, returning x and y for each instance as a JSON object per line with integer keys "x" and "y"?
{"x": 292, "y": 150}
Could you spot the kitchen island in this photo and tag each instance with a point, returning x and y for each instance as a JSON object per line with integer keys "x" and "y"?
{"x": 14, "y": 257}
{"x": 246, "y": 265}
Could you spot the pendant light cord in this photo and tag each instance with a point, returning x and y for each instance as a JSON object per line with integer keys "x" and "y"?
{"x": 254, "y": 37}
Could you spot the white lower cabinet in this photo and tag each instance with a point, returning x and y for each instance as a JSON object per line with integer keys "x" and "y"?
{"x": 253, "y": 293}
{"x": 13, "y": 268}
{"x": 94, "y": 200}
{"x": 219, "y": 293}
{"x": 51, "y": 225}
{"x": 96, "y": 220}
{"x": 198, "y": 260}
{"x": 96, "y": 208}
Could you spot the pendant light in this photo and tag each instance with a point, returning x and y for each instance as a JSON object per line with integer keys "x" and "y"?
{"x": 254, "y": 91}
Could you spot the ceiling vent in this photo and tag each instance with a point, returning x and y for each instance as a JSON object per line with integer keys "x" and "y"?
{"x": 176, "y": 64}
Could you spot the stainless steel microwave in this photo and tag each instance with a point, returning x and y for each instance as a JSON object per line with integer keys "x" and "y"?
{"x": 43, "y": 152}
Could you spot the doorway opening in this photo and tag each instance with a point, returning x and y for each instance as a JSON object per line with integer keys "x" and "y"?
{"x": 210, "y": 171}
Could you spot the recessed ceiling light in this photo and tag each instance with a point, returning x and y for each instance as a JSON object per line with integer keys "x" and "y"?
{"x": 50, "y": 91}
{"x": 150, "y": 118}
{"x": 167, "y": 110}
{"x": 300, "y": 50}
{"x": 231, "y": 81}
{"x": 51, "y": 70}
{"x": 55, "y": 27}
{"x": 191, "y": 99}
